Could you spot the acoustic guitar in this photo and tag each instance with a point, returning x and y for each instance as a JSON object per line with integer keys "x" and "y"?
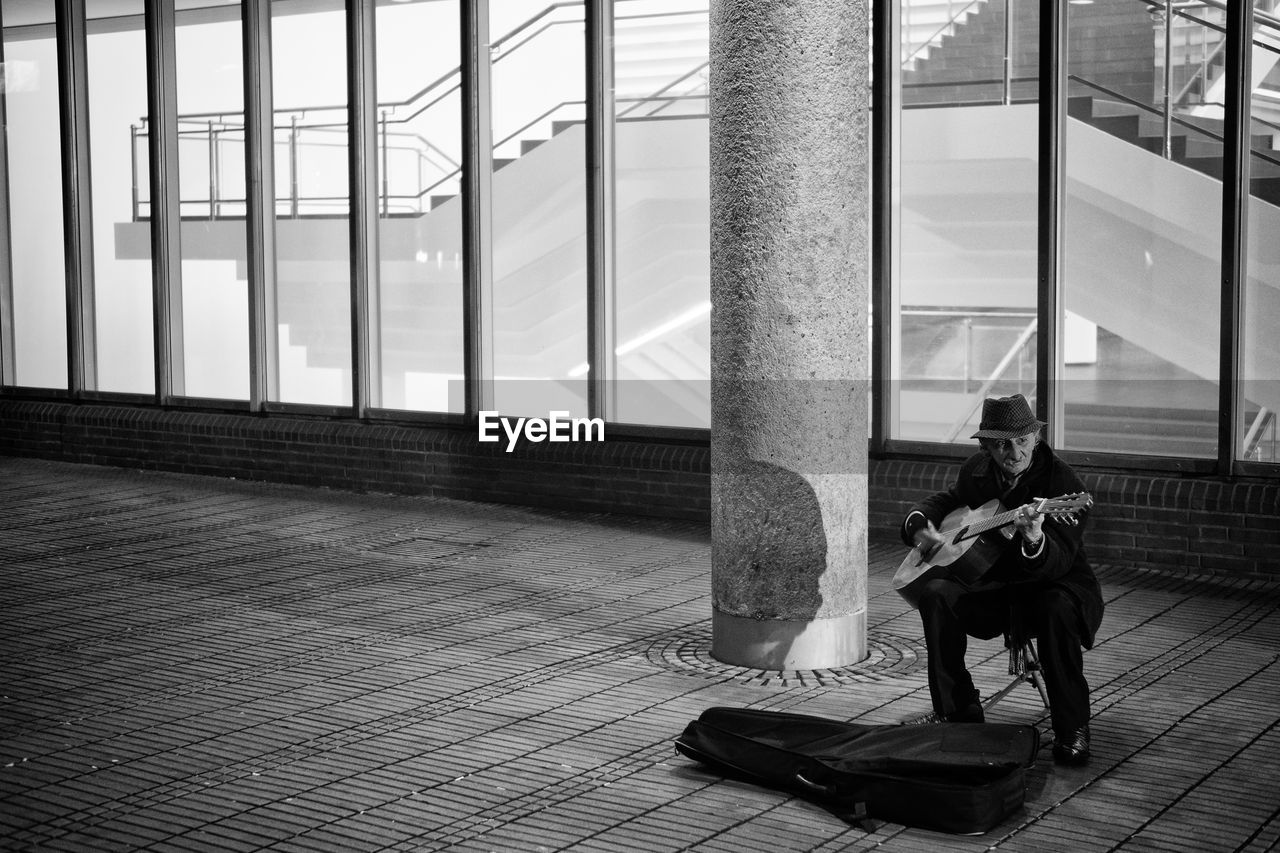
{"x": 973, "y": 539}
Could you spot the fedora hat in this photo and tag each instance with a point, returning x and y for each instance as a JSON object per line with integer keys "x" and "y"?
{"x": 1006, "y": 417}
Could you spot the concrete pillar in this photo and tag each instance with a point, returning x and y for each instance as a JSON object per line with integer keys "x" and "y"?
{"x": 790, "y": 270}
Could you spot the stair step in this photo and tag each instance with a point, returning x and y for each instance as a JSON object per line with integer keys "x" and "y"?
{"x": 1260, "y": 168}
{"x": 629, "y": 44}
{"x": 1080, "y": 107}
{"x": 1155, "y": 144}
{"x": 1125, "y": 127}
{"x": 644, "y": 87}
{"x": 1103, "y": 442}
{"x": 1267, "y": 189}
{"x": 1211, "y": 166}
{"x": 927, "y": 19}
{"x": 662, "y": 68}
{"x": 1199, "y": 146}
{"x": 1155, "y": 423}
{"x": 1131, "y": 413}
{"x": 665, "y": 30}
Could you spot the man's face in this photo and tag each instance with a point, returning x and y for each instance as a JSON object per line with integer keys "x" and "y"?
{"x": 1012, "y": 455}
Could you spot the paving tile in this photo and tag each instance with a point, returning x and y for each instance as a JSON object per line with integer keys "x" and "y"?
{"x": 395, "y": 686}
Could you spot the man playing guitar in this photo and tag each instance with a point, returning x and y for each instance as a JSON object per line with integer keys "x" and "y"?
{"x": 1040, "y": 584}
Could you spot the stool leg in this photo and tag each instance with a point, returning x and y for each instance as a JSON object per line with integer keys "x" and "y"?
{"x": 996, "y": 697}
{"x": 1029, "y": 671}
{"x": 1034, "y": 673}
{"x": 1039, "y": 683}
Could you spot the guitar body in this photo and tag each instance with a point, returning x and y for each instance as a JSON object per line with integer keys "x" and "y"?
{"x": 961, "y": 557}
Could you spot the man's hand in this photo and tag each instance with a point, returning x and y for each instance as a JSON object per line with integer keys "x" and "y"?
{"x": 928, "y": 539}
{"x": 1028, "y": 522}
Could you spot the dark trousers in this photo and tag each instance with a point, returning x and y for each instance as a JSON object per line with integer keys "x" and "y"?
{"x": 951, "y": 614}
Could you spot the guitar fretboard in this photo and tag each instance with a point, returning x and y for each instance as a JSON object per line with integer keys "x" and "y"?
{"x": 993, "y": 523}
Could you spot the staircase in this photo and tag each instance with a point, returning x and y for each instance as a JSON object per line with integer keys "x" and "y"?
{"x": 967, "y": 64}
{"x": 927, "y": 23}
{"x": 661, "y": 63}
{"x": 1171, "y": 431}
{"x": 1194, "y": 142}
{"x": 968, "y": 229}
{"x": 539, "y": 263}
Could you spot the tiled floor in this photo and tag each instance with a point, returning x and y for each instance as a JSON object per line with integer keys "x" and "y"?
{"x": 206, "y": 665}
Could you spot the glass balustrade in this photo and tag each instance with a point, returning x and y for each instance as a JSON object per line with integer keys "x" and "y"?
{"x": 33, "y": 295}
{"x": 1259, "y": 396}
{"x": 662, "y": 359}
{"x": 419, "y": 137}
{"x": 964, "y": 285}
{"x": 1142, "y": 254}
{"x": 124, "y": 355}
{"x": 312, "y": 205}
{"x": 213, "y": 338}
{"x": 539, "y": 204}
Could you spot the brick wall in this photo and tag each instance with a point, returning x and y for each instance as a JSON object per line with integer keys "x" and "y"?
{"x": 632, "y": 477}
{"x": 1176, "y": 524}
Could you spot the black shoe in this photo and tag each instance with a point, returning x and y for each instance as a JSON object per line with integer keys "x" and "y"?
{"x": 1072, "y": 749}
{"x": 971, "y": 713}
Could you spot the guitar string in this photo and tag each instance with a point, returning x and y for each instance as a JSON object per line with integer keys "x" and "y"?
{"x": 997, "y": 521}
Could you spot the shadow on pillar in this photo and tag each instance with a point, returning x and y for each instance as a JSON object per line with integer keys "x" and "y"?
{"x": 779, "y": 601}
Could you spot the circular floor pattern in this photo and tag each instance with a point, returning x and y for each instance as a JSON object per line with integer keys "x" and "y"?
{"x": 688, "y": 650}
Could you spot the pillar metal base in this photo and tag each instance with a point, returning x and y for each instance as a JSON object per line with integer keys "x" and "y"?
{"x": 782, "y": 644}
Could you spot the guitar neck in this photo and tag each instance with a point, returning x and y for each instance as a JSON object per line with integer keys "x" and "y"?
{"x": 995, "y": 522}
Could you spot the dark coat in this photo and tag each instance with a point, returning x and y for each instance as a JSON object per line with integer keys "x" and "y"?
{"x": 1062, "y": 561}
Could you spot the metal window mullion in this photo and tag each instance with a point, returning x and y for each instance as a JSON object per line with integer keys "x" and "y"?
{"x": 260, "y": 220}
{"x": 363, "y": 175}
{"x": 166, "y": 211}
{"x": 6, "y": 266}
{"x": 477, "y": 207}
{"x": 1235, "y": 210}
{"x": 886, "y": 81}
{"x": 601, "y": 257}
{"x": 73, "y": 103}
{"x": 1051, "y": 182}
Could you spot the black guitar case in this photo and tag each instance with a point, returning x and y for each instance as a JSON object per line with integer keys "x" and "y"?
{"x": 951, "y": 777}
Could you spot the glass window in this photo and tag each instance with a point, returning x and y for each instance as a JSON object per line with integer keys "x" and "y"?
{"x": 1142, "y": 247}
{"x": 420, "y": 217}
{"x": 215, "y": 294}
{"x": 34, "y": 275}
{"x": 1260, "y": 368}
{"x": 964, "y": 277}
{"x": 313, "y": 230}
{"x": 539, "y": 207}
{"x": 117, "y": 68}
{"x": 662, "y": 230}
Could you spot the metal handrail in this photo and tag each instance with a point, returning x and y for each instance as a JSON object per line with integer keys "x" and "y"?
{"x": 1181, "y": 122}
{"x": 304, "y": 119}
{"x": 553, "y": 110}
{"x": 1166, "y": 7}
{"x": 1253, "y": 438}
{"x": 1258, "y": 15}
{"x": 661, "y": 94}
{"x": 1267, "y": 20}
{"x": 1018, "y": 345}
{"x": 1203, "y": 74}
